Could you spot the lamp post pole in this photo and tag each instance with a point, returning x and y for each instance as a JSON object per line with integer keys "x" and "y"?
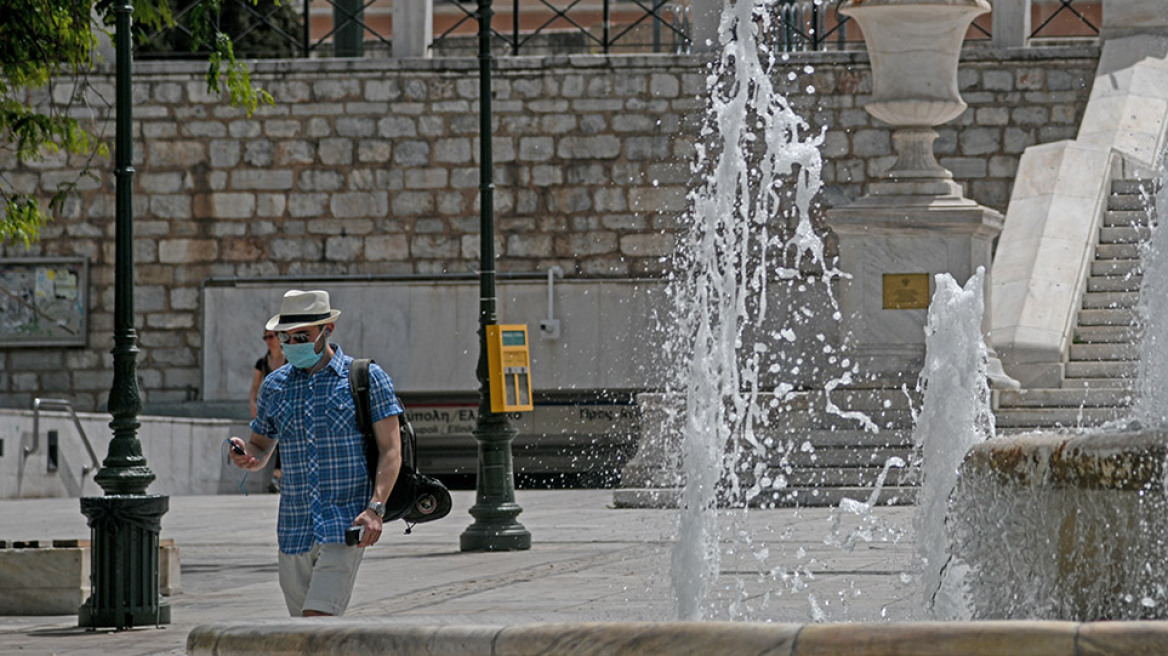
{"x": 495, "y": 527}
{"x": 125, "y": 522}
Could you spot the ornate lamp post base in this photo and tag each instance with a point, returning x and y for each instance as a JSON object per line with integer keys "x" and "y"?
{"x": 495, "y": 527}
{"x": 125, "y": 562}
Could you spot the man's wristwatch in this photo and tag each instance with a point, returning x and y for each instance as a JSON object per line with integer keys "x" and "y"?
{"x": 377, "y": 507}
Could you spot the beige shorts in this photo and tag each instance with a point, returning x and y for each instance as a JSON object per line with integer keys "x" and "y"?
{"x": 320, "y": 580}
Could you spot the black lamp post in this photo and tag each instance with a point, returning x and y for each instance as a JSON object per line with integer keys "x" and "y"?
{"x": 495, "y": 527}
{"x": 125, "y": 522}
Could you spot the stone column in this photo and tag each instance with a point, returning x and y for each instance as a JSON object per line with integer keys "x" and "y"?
{"x": 1011, "y": 26}
{"x": 413, "y": 28}
{"x": 705, "y": 15}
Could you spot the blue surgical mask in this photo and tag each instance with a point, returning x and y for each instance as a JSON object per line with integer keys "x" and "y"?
{"x": 303, "y": 356}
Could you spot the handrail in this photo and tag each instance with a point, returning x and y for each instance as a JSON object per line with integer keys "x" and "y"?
{"x": 37, "y": 404}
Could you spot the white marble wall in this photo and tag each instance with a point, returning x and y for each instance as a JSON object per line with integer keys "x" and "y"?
{"x": 1059, "y": 196}
{"x": 186, "y": 455}
{"x": 425, "y": 333}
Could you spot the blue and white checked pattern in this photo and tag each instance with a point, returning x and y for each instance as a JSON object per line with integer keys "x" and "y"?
{"x": 325, "y": 482}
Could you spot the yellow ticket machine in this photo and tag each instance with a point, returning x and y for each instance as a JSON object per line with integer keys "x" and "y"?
{"x": 509, "y": 359}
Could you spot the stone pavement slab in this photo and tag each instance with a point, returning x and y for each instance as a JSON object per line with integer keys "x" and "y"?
{"x": 588, "y": 562}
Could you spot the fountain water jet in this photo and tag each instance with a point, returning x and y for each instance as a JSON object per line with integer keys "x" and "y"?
{"x": 742, "y": 238}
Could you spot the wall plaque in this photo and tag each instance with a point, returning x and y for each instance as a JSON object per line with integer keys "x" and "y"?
{"x": 906, "y": 291}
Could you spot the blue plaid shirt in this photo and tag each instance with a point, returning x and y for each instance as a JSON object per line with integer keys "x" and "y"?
{"x": 325, "y": 481}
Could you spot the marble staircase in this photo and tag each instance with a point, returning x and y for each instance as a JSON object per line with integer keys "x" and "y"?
{"x": 1100, "y": 370}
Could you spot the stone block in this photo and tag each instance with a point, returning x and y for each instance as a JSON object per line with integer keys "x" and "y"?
{"x": 413, "y": 203}
{"x": 245, "y": 129}
{"x": 258, "y": 153}
{"x": 374, "y": 151}
{"x": 43, "y": 581}
{"x": 382, "y": 90}
{"x": 335, "y": 152}
{"x": 359, "y": 204}
{"x": 381, "y": 248}
{"x": 176, "y": 154}
{"x": 529, "y": 245}
{"x": 452, "y": 151}
{"x": 426, "y": 178}
{"x": 233, "y": 206}
{"x": 601, "y": 146}
{"x": 356, "y": 126}
{"x": 411, "y": 153}
{"x": 185, "y": 251}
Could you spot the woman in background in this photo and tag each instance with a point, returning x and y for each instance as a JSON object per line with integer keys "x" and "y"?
{"x": 269, "y": 362}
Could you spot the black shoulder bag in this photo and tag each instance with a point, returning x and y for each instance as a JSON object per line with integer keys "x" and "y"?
{"x": 415, "y": 497}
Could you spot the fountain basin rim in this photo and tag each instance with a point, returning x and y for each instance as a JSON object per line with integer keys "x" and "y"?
{"x": 348, "y": 636}
{"x": 1121, "y": 460}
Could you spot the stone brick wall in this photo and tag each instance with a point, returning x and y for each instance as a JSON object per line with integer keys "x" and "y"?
{"x": 368, "y": 167}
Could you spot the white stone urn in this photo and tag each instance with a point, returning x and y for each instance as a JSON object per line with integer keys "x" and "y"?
{"x": 914, "y": 47}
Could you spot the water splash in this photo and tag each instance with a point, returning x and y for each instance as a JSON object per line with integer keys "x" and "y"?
{"x": 750, "y": 225}
{"x": 955, "y": 415}
{"x": 1151, "y": 403}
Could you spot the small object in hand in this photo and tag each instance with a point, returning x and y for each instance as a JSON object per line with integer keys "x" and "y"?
{"x": 353, "y": 535}
{"x": 237, "y": 449}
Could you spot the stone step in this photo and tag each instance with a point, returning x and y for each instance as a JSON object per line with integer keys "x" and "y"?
{"x": 1123, "y": 369}
{"x": 1126, "y": 218}
{"x": 1098, "y": 383}
{"x": 1129, "y": 283}
{"x": 1056, "y": 417}
{"x": 1110, "y": 300}
{"x": 1135, "y": 187}
{"x": 1117, "y": 252}
{"x": 1104, "y": 352}
{"x": 827, "y": 439}
{"x": 790, "y": 497}
{"x": 1113, "y": 268}
{"x": 822, "y": 497}
{"x": 1124, "y": 317}
{"x": 864, "y": 477}
{"x": 1127, "y": 202}
{"x": 867, "y": 400}
{"x": 845, "y": 456}
{"x": 1092, "y": 397}
{"x": 1104, "y": 334}
{"x": 1123, "y": 235}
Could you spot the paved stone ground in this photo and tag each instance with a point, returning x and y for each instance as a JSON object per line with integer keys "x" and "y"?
{"x": 588, "y": 562}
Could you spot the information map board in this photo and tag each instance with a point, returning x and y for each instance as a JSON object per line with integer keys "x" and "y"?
{"x": 43, "y": 301}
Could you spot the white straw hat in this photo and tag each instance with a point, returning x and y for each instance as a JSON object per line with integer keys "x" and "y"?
{"x": 300, "y": 309}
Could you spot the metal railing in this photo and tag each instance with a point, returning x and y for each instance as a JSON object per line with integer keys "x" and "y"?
{"x": 60, "y": 404}
{"x": 628, "y": 25}
{"x": 293, "y": 28}
{"x": 287, "y": 29}
{"x": 806, "y": 25}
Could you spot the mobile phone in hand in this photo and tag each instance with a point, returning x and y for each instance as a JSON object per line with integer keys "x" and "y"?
{"x": 353, "y": 535}
{"x": 237, "y": 449}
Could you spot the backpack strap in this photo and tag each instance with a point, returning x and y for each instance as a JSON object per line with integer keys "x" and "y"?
{"x": 359, "y": 388}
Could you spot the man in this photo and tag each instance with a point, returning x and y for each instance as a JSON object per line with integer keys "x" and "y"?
{"x": 306, "y": 406}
